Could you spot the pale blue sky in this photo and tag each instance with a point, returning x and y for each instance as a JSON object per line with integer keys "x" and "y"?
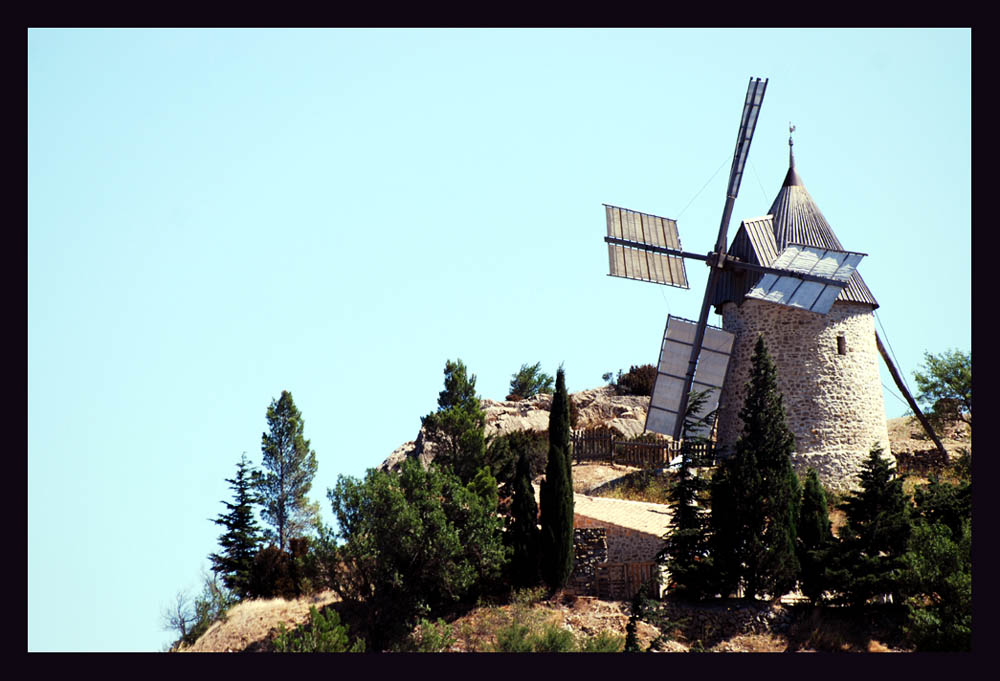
{"x": 215, "y": 216}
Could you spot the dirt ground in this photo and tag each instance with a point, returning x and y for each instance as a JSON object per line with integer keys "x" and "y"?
{"x": 907, "y": 435}
{"x": 587, "y": 476}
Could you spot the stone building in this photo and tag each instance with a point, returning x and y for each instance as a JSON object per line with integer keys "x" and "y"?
{"x": 615, "y": 545}
{"x": 828, "y": 365}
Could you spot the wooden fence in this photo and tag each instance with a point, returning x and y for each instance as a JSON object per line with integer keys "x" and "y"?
{"x": 621, "y": 581}
{"x": 603, "y": 446}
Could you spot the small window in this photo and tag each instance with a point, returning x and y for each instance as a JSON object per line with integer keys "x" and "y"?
{"x": 841, "y": 345}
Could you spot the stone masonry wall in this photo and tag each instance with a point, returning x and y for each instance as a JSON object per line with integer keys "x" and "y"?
{"x": 590, "y": 548}
{"x": 625, "y": 545}
{"x": 833, "y": 402}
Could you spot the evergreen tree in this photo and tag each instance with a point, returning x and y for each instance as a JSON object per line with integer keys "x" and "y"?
{"x": 815, "y": 537}
{"x": 868, "y": 561}
{"x": 242, "y": 538}
{"x": 557, "y": 494}
{"x": 414, "y": 544}
{"x": 941, "y": 502}
{"x": 290, "y": 466}
{"x": 457, "y": 427}
{"x": 939, "y": 582}
{"x": 685, "y": 552}
{"x": 757, "y": 493}
{"x": 522, "y": 532}
{"x": 639, "y": 607}
{"x": 529, "y": 381}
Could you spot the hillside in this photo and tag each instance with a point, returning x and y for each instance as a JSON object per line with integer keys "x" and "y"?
{"x": 783, "y": 627}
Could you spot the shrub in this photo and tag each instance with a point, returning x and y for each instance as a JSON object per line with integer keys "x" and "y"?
{"x": 429, "y": 637}
{"x": 604, "y": 642}
{"x": 553, "y": 639}
{"x": 518, "y": 637}
{"x": 270, "y": 574}
{"x": 645, "y": 485}
{"x": 414, "y": 543}
{"x": 525, "y": 597}
{"x": 191, "y": 620}
{"x": 939, "y": 572}
{"x": 638, "y": 381}
{"x": 513, "y": 638}
{"x": 323, "y": 634}
{"x": 503, "y": 452}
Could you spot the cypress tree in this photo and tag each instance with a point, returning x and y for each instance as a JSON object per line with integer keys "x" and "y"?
{"x": 522, "y": 532}
{"x": 241, "y": 541}
{"x": 757, "y": 493}
{"x": 815, "y": 537}
{"x": 557, "y": 494}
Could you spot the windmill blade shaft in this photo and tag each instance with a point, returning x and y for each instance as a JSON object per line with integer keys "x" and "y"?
{"x": 737, "y": 264}
{"x": 787, "y": 273}
{"x": 695, "y": 351}
{"x": 638, "y": 245}
{"x": 909, "y": 399}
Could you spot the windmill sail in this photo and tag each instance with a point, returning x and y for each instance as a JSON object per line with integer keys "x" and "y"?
{"x": 668, "y": 389}
{"x": 748, "y": 123}
{"x": 635, "y": 263}
{"x": 790, "y": 290}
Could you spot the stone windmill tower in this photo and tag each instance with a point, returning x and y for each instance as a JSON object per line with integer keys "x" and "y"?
{"x": 785, "y": 277}
{"x": 828, "y": 365}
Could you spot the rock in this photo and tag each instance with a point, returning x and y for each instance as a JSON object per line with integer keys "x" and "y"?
{"x": 624, "y": 415}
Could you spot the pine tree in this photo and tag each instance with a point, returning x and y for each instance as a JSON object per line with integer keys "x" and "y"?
{"x": 522, "y": 533}
{"x": 457, "y": 427}
{"x": 755, "y": 496}
{"x": 557, "y": 494}
{"x": 685, "y": 552}
{"x": 815, "y": 538}
{"x": 242, "y": 538}
{"x": 528, "y": 382}
{"x": 291, "y": 465}
{"x": 868, "y": 561}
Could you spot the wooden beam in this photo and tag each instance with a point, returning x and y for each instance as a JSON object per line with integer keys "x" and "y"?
{"x": 909, "y": 399}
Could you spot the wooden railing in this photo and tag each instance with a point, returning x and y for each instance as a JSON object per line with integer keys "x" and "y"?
{"x": 604, "y": 446}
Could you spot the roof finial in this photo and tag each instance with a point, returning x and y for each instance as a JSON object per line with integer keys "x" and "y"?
{"x": 791, "y": 158}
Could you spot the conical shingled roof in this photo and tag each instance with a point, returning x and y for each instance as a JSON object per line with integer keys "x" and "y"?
{"x": 795, "y": 219}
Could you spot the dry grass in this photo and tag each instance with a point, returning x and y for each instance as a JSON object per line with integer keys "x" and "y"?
{"x": 476, "y": 631}
{"x": 252, "y": 621}
{"x": 587, "y": 476}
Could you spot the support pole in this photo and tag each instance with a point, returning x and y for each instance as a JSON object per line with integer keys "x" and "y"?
{"x": 909, "y": 399}
{"x": 715, "y": 264}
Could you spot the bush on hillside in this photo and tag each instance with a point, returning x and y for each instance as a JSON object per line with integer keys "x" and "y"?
{"x": 529, "y": 381}
{"x": 638, "y": 380}
{"x": 503, "y": 452}
{"x": 414, "y": 543}
{"x": 323, "y": 634}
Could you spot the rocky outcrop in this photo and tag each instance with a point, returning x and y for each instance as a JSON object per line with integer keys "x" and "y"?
{"x": 624, "y": 415}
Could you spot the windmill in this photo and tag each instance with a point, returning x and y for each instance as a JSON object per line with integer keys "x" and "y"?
{"x": 791, "y": 270}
